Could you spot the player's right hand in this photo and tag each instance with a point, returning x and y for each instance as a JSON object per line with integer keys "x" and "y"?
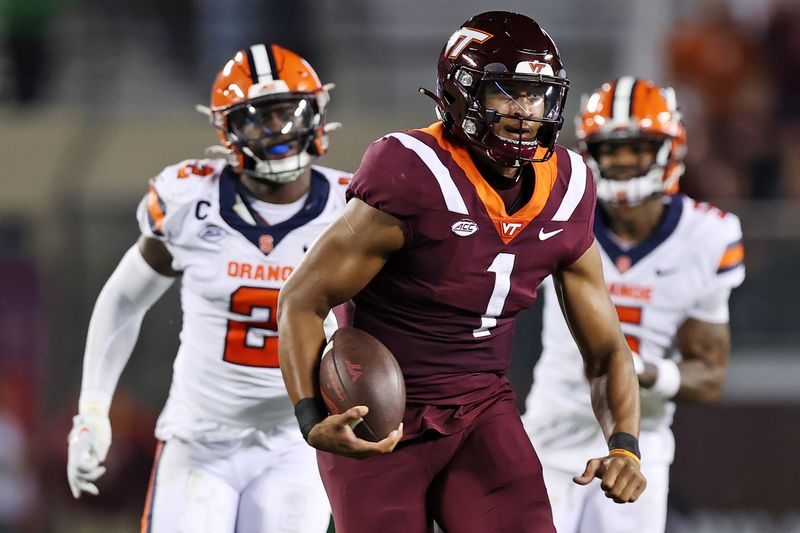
{"x": 88, "y": 442}
{"x": 335, "y": 435}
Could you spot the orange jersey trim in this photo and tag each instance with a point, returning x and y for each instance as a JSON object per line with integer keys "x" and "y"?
{"x": 148, "y": 502}
{"x": 507, "y": 226}
{"x": 733, "y": 256}
{"x": 154, "y": 208}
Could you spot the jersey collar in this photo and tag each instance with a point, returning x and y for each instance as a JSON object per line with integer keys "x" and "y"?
{"x": 625, "y": 259}
{"x": 264, "y": 236}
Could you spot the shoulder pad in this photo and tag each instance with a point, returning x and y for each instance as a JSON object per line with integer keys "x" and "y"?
{"x": 718, "y": 234}
{"x": 188, "y": 179}
{"x": 171, "y": 195}
{"x": 339, "y": 179}
{"x": 392, "y": 178}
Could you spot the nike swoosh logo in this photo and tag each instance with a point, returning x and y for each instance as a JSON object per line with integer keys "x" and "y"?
{"x": 544, "y": 235}
{"x": 666, "y": 271}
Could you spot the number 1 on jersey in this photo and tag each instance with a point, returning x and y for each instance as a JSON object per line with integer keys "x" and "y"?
{"x": 502, "y": 266}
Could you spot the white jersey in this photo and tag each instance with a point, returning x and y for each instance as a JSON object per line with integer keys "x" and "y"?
{"x": 685, "y": 269}
{"x": 226, "y": 379}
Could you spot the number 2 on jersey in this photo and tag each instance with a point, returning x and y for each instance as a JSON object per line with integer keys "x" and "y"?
{"x": 247, "y": 343}
{"x": 502, "y": 266}
{"x": 630, "y": 315}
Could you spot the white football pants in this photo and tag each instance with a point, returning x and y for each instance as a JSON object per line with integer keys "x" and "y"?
{"x": 249, "y": 485}
{"x": 585, "y": 509}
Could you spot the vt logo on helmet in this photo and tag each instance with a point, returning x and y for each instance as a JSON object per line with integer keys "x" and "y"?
{"x": 501, "y": 87}
{"x": 631, "y": 135}
{"x": 268, "y": 106}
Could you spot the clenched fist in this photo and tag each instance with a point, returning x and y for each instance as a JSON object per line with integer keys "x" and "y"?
{"x": 621, "y": 479}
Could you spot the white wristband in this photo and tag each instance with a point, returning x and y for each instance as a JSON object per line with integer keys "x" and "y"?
{"x": 638, "y": 363}
{"x": 668, "y": 378}
{"x": 97, "y": 403}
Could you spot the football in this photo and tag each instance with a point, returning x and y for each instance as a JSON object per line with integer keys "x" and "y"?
{"x": 357, "y": 369}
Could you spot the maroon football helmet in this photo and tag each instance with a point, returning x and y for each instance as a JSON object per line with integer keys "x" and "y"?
{"x": 501, "y": 87}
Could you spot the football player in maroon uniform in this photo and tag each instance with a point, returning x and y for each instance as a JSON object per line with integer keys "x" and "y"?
{"x": 447, "y": 234}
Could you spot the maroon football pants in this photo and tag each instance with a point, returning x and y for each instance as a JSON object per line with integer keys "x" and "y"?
{"x": 485, "y": 478}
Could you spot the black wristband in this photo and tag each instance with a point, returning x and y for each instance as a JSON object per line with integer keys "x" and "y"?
{"x": 624, "y": 441}
{"x": 309, "y": 412}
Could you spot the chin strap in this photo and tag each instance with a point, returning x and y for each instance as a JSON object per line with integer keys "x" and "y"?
{"x": 280, "y": 170}
{"x": 632, "y": 191}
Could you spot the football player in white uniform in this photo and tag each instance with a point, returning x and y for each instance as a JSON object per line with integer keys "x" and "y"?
{"x": 231, "y": 456}
{"x": 670, "y": 263}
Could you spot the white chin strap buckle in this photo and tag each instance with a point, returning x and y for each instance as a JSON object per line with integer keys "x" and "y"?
{"x": 281, "y": 170}
{"x": 265, "y": 173}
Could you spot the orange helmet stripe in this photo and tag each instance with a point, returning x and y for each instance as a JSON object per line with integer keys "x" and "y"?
{"x": 607, "y": 101}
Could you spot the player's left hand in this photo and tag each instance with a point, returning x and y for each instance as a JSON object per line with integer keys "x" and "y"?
{"x": 621, "y": 479}
{"x": 88, "y": 442}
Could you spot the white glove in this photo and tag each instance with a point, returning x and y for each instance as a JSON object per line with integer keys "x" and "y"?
{"x": 88, "y": 441}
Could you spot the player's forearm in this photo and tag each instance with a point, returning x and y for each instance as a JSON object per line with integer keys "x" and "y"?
{"x": 615, "y": 393}
{"x": 706, "y": 349}
{"x": 700, "y": 382}
{"x": 114, "y": 327}
{"x": 700, "y": 376}
{"x": 108, "y": 349}
{"x": 302, "y": 337}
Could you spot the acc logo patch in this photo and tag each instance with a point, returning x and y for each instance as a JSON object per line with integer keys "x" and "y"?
{"x": 212, "y": 233}
{"x": 464, "y": 227}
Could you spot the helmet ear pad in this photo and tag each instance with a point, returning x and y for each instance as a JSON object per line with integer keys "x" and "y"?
{"x": 456, "y": 98}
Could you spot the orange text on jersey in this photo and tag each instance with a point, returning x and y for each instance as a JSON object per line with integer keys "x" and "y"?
{"x": 636, "y": 292}
{"x": 258, "y": 272}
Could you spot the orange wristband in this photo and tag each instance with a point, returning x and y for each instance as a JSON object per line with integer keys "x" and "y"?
{"x": 625, "y": 452}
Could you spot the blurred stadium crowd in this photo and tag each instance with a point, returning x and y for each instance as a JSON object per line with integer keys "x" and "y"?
{"x": 734, "y": 63}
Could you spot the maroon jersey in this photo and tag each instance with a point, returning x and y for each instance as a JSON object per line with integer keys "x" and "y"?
{"x": 445, "y": 303}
